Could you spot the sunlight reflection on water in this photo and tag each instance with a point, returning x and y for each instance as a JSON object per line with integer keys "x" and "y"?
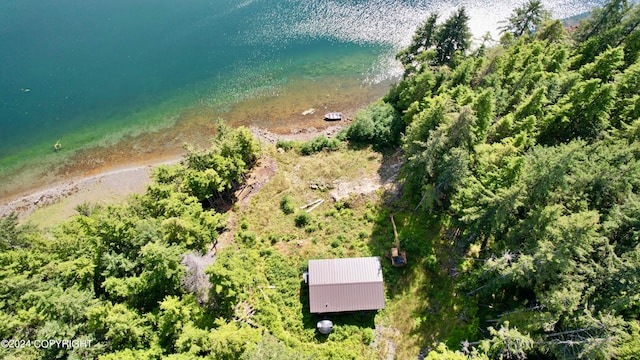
{"x": 385, "y": 22}
{"x": 106, "y": 70}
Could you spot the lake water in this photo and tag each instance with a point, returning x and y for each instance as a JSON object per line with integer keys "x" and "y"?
{"x": 91, "y": 72}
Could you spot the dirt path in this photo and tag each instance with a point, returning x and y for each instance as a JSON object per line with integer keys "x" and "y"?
{"x": 257, "y": 178}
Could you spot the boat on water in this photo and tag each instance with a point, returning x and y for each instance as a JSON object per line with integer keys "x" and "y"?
{"x": 333, "y": 116}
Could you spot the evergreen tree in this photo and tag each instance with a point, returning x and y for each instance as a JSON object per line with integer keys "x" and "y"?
{"x": 453, "y": 37}
{"x": 437, "y": 44}
{"x": 423, "y": 40}
{"x": 526, "y": 20}
{"x": 616, "y": 24}
{"x": 601, "y": 20}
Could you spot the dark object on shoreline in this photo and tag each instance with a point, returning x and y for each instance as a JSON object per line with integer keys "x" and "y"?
{"x": 398, "y": 257}
{"x": 333, "y": 116}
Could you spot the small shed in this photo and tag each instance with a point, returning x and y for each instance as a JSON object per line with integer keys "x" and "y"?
{"x": 351, "y": 284}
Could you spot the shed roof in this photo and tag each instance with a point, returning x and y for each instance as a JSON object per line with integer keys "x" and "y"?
{"x": 351, "y": 284}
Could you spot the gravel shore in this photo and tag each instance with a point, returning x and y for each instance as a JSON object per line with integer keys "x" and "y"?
{"x": 109, "y": 187}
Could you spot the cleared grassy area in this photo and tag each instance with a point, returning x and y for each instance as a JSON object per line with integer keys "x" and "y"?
{"x": 422, "y": 305}
{"x": 333, "y": 229}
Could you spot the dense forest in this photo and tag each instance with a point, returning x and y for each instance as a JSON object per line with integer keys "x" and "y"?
{"x": 523, "y": 153}
{"x": 528, "y": 151}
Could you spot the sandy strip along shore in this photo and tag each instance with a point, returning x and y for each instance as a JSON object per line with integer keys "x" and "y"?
{"x": 109, "y": 187}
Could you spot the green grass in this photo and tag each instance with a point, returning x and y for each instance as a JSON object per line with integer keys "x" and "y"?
{"x": 422, "y": 304}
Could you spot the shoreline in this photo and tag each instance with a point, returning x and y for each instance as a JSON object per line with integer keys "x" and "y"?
{"x": 122, "y": 181}
{"x": 280, "y": 115}
{"x": 116, "y": 184}
{"x": 294, "y": 112}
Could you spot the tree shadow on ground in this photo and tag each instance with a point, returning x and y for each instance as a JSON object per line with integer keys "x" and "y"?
{"x": 423, "y": 304}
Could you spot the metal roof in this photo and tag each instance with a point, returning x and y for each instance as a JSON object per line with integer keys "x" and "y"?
{"x": 351, "y": 284}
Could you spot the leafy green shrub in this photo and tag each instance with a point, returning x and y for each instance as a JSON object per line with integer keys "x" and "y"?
{"x": 431, "y": 263}
{"x": 273, "y": 238}
{"x": 379, "y": 124}
{"x": 167, "y": 174}
{"x": 318, "y": 144}
{"x": 341, "y": 204}
{"x": 330, "y": 213}
{"x": 368, "y": 336}
{"x": 287, "y": 238}
{"x": 346, "y": 213}
{"x": 285, "y": 145}
{"x": 338, "y": 241}
{"x": 217, "y": 170}
{"x": 86, "y": 208}
{"x": 247, "y": 238}
{"x": 286, "y": 204}
{"x": 369, "y": 216}
{"x": 302, "y": 219}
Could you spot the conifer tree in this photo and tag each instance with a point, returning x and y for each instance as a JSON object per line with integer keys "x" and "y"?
{"x": 453, "y": 37}
{"x": 525, "y": 20}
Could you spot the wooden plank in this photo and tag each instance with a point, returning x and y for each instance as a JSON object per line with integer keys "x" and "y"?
{"x": 311, "y": 203}
{"x": 315, "y": 206}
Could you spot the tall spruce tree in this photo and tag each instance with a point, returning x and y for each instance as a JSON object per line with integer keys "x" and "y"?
{"x": 437, "y": 44}
{"x": 525, "y": 20}
{"x": 454, "y": 37}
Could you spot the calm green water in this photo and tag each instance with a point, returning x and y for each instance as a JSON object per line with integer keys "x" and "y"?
{"x": 84, "y": 70}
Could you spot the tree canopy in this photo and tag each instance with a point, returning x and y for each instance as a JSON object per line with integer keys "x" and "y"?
{"x": 530, "y": 155}
{"x": 438, "y": 44}
{"x": 527, "y": 19}
{"x": 524, "y": 157}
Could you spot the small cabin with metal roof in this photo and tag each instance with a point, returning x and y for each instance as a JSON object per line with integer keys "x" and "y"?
{"x": 339, "y": 285}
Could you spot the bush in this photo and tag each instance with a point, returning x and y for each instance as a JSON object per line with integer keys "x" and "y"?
{"x": 379, "y": 124}
{"x": 367, "y": 336}
{"x": 286, "y": 204}
{"x": 318, "y": 144}
{"x": 431, "y": 263}
{"x": 86, "y": 208}
{"x": 369, "y": 216}
{"x": 302, "y": 219}
{"x": 247, "y": 238}
{"x": 338, "y": 241}
{"x": 273, "y": 238}
{"x": 285, "y": 145}
{"x": 342, "y": 204}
